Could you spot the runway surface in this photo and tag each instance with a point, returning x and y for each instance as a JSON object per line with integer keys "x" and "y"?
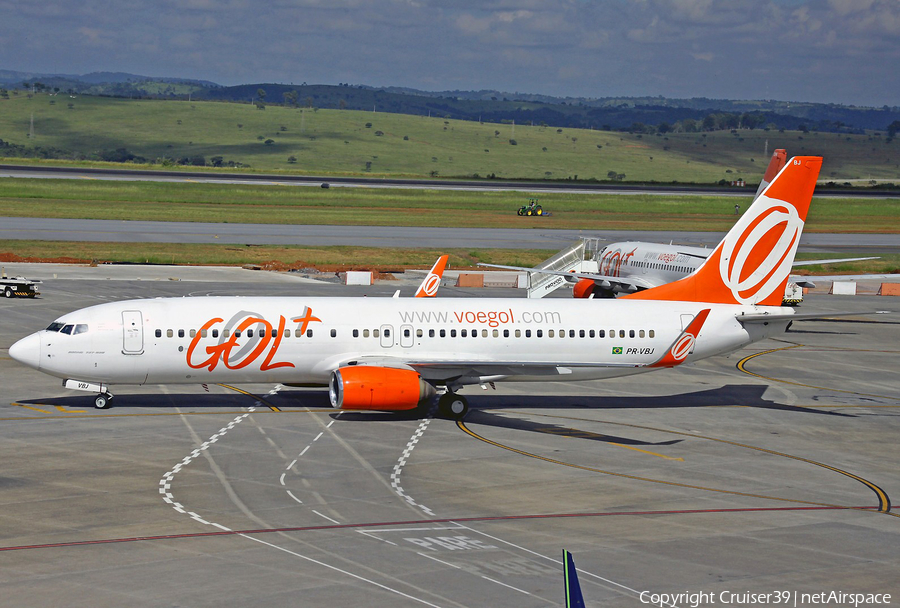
{"x": 52, "y": 229}
{"x": 771, "y": 469}
{"x": 25, "y": 171}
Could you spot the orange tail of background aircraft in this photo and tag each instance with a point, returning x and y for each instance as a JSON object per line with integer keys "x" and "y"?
{"x": 429, "y": 286}
{"x": 752, "y": 264}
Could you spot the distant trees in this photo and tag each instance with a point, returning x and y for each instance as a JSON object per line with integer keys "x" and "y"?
{"x": 893, "y": 128}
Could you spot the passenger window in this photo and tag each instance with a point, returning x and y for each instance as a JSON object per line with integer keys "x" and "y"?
{"x": 80, "y": 328}
{"x": 249, "y": 333}
{"x": 387, "y": 333}
{"x": 297, "y": 333}
{"x": 443, "y": 333}
{"x": 365, "y": 333}
{"x": 612, "y": 333}
{"x": 453, "y": 333}
{"x": 159, "y": 333}
{"x": 621, "y": 333}
{"x": 334, "y": 333}
{"x": 527, "y": 333}
{"x": 215, "y": 333}
{"x": 630, "y": 333}
{"x": 309, "y": 333}
{"x": 226, "y": 332}
{"x": 601, "y": 333}
{"x": 274, "y": 333}
{"x": 572, "y": 333}
{"x": 406, "y": 333}
{"x": 375, "y": 333}
{"x": 540, "y": 333}
{"x": 550, "y": 333}
{"x": 641, "y": 333}
{"x": 287, "y": 333}
{"x": 169, "y": 333}
{"x": 518, "y": 333}
{"x": 505, "y": 333}
{"x": 430, "y": 333}
{"x": 581, "y": 333}
{"x": 180, "y": 333}
{"x": 591, "y": 334}
{"x": 237, "y": 333}
{"x": 419, "y": 333}
{"x": 652, "y": 333}
{"x": 355, "y": 333}
{"x": 484, "y": 333}
{"x": 193, "y": 333}
{"x": 463, "y": 333}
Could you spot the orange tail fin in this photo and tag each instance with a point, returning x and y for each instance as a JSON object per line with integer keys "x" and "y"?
{"x": 429, "y": 287}
{"x": 752, "y": 264}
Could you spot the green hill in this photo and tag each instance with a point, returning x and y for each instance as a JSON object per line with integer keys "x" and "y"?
{"x": 166, "y": 132}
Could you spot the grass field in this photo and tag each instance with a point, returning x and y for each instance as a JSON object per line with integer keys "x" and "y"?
{"x": 238, "y": 203}
{"x": 340, "y": 142}
{"x": 327, "y": 258}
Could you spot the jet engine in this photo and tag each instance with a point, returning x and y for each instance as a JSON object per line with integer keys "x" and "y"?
{"x": 583, "y": 288}
{"x": 366, "y": 387}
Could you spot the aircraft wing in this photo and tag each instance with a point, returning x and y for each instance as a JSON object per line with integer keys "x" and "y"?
{"x": 833, "y": 261}
{"x": 605, "y": 281}
{"x": 767, "y": 317}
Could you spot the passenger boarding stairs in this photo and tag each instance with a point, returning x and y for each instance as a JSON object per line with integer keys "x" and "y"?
{"x": 570, "y": 259}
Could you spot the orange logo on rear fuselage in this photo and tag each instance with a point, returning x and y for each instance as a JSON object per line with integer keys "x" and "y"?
{"x": 265, "y": 333}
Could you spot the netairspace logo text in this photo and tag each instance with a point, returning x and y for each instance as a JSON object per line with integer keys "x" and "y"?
{"x": 773, "y": 598}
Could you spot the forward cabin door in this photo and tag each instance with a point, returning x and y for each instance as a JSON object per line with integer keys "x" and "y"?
{"x": 133, "y": 332}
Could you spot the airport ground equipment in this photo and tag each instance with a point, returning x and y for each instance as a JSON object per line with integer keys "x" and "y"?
{"x": 19, "y": 286}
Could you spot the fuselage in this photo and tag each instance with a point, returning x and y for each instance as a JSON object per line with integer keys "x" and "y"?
{"x": 303, "y": 340}
{"x": 654, "y": 262}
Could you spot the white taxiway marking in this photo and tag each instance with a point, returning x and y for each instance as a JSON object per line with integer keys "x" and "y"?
{"x": 401, "y": 462}
{"x": 617, "y": 586}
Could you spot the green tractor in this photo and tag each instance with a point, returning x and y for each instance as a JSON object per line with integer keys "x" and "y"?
{"x": 532, "y": 208}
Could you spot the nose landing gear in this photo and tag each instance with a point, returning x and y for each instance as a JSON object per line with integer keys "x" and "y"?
{"x": 102, "y": 401}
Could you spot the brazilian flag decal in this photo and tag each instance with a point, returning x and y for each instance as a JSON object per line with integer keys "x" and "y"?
{"x": 617, "y": 350}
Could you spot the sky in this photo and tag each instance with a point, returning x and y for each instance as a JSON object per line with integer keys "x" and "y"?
{"x": 831, "y": 51}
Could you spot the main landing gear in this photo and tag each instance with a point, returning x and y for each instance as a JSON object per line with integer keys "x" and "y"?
{"x": 102, "y": 401}
{"x": 453, "y": 406}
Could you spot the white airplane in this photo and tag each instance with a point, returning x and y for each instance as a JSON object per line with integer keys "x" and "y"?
{"x": 395, "y": 353}
{"x": 630, "y": 266}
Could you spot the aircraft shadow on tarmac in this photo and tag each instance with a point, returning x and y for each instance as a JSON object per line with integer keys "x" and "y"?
{"x": 749, "y": 395}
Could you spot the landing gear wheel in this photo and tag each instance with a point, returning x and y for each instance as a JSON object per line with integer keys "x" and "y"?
{"x": 453, "y": 406}
{"x": 102, "y": 401}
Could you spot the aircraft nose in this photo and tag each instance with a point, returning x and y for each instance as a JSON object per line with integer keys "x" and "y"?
{"x": 27, "y": 351}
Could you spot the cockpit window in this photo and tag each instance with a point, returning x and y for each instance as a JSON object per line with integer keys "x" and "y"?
{"x": 81, "y": 328}
{"x": 55, "y": 326}
{"x": 67, "y": 329}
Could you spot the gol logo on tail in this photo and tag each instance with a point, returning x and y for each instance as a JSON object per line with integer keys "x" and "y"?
{"x": 754, "y": 264}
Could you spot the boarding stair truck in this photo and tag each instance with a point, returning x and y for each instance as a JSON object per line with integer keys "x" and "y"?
{"x": 18, "y": 286}
{"x": 570, "y": 259}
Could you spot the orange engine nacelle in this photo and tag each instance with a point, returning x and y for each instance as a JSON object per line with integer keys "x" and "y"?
{"x": 377, "y": 388}
{"x": 583, "y": 288}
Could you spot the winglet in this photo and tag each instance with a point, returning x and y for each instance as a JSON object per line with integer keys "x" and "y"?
{"x": 429, "y": 287}
{"x": 574, "y": 599}
{"x": 752, "y": 264}
{"x": 684, "y": 345}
